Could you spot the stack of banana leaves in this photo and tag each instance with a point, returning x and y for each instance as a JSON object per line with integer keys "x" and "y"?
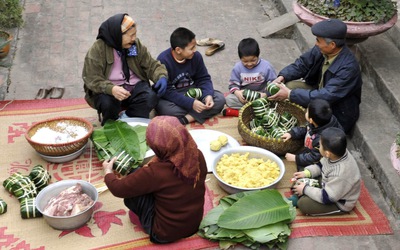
{"x": 125, "y": 142}
{"x": 25, "y": 189}
{"x": 252, "y": 218}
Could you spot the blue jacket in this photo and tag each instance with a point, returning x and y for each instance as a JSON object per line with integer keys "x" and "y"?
{"x": 182, "y": 76}
{"x": 341, "y": 86}
{"x": 310, "y": 154}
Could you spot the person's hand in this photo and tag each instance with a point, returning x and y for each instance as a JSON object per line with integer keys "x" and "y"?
{"x": 286, "y": 136}
{"x": 198, "y": 106}
{"x": 209, "y": 102}
{"x": 290, "y": 157}
{"x": 108, "y": 165}
{"x": 239, "y": 95}
{"x": 161, "y": 86}
{"x": 283, "y": 93}
{"x": 279, "y": 79}
{"x": 298, "y": 188}
{"x": 120, "y": 93}
{"x": 299, "y": 175}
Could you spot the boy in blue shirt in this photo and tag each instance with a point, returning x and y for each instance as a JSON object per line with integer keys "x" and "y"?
{"x": 186, "y": 70}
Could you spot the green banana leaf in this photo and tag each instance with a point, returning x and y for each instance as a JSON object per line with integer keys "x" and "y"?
{"x": 118, "y": 138}
{"x": 272, "y": 235}
{"x": 268, "y": 233}
{"x": 253, "y": 211}
{"x": 122, "y": 137}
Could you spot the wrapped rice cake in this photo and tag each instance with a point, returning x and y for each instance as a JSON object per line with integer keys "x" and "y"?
{"x": 3, "y": 206}
{"x": 40, "y": 177}
{"x": 28, "y": 208}
{"x": 24, "y": 188}
{"x": 10, "y": 181}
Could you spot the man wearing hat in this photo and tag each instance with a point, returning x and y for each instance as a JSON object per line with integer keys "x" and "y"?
{"x": 328, "y": 71}
{"x": 117, "y": 70}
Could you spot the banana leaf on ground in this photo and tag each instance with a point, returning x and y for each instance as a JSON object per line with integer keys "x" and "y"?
{"x": 253, "y": 219}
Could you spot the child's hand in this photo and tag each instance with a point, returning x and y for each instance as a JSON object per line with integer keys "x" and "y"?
{"x": 290, "y": 157}
{"x": 198, "y": 106}
{"x": 299, "y": 175}
{"x": 286, "y": 136}
{"x": 298, "y": 188}
{"x": 209, "y": 102}
{"x": 239, "y": 95}
{"x": 108, "y": 165}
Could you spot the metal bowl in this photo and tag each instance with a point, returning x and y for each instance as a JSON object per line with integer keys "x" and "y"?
{"x": 67, "y": 222}
{"x": 254, "y": 152}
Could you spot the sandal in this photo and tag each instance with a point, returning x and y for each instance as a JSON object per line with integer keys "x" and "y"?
{"x": 207, "y": 41}
{"x": 42, "y": 94}
{"x": 56, "y": 93}
{"x": 214, "y": 48}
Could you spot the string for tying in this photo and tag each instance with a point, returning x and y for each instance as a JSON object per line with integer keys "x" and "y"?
{"x": 5, "y": 105}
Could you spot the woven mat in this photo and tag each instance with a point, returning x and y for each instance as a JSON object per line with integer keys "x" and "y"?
{"x": 111, "y": 227}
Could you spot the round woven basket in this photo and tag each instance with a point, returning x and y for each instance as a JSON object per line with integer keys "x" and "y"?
{"x": 59, "y": 149}
{"x": 277, "y": 146}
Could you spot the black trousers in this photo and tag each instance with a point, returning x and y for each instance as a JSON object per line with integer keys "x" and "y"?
{"x": 143, "y": 207}
{"x": 142, "y": 100}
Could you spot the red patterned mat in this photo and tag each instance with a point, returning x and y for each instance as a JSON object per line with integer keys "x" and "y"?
{"x": 111, "y": 227}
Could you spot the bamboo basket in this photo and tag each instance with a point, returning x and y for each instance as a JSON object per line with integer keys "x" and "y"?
{"x": 59, "y": 149}
{"x": 277, "y": 146}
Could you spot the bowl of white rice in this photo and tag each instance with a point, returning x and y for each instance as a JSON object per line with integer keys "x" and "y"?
{"x": 59, "y": 136}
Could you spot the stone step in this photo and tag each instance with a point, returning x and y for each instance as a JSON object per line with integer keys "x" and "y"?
{"x": 394, "y": 34}
{"x": 380, "y": 111}
{"x": 277, "y": 24}
{"x": 380, "y": 60}
{"x": 373, "y": 136}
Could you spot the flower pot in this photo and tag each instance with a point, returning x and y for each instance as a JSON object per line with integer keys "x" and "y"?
{"x": 393, "y": 157}
{"x": 5, "y": 40}
{"x": 356, "y": 31}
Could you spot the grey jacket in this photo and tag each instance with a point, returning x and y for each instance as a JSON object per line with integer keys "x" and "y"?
{"x": 341, "y": 182}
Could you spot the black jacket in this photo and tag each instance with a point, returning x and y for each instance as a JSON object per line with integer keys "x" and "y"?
{"x": 310, "y": 154}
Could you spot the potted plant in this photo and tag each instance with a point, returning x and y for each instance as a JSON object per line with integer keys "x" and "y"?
{"x": 364, "y": 18}
{"x": 10, "y": 17}
{"x": 5, "y": 39}
{"x": 10, "y": 14}
{"x": 395, "y": 153}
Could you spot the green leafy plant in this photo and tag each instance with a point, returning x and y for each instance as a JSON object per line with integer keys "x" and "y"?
{"x": 11, "y": 14}
{"x": 377, "y": 11}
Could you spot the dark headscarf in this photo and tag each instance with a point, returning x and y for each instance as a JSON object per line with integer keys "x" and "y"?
{"x": 172, "y": 142}
{"x": 110, "y": 33}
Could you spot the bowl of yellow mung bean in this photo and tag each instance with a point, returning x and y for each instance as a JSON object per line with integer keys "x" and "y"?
{"x": 247, "y": 168}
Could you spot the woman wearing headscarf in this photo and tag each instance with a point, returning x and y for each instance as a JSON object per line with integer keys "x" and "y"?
{"x": 117, "y": 70}
{"x": 167, "y": 194}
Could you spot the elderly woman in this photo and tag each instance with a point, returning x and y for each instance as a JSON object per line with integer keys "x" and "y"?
{"x": 117, "y": 70}
{"x": 167, "y": 194}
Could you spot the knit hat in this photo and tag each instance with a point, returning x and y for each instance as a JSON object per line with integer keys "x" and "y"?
{"x": 330, "y": 28}
{"x": 127, "y": 23}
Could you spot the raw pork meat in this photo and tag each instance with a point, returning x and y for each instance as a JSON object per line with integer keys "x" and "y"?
{"x": 69, "y": 202}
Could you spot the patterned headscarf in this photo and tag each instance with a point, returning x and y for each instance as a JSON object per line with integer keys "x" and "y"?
{"x": 172, "y": 142}
{"x": 110, "y": 32}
